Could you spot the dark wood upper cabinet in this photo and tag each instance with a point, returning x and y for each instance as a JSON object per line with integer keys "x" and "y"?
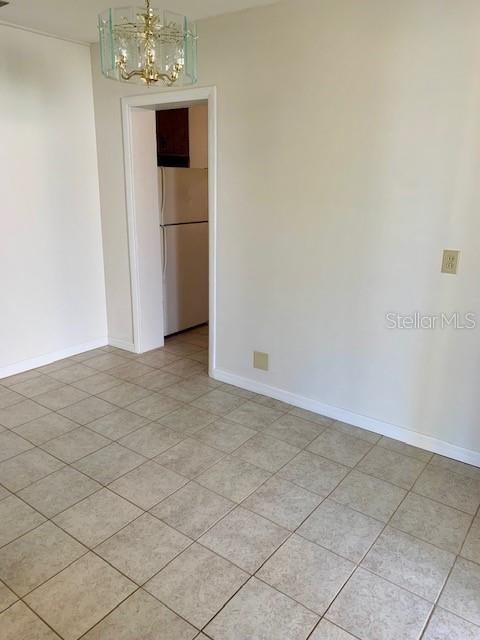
{"x": 173, "y": 143}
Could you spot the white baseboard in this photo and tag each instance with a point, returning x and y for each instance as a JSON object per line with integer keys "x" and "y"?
{"x": 408, "y": 436}
{"x": 40, "y": 361}
{"x": 121, "y": 344}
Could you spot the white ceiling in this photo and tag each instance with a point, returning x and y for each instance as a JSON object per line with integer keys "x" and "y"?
{"x": 77, "y": 19}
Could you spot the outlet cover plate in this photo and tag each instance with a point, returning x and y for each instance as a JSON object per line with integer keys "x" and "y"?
{"x": 260, "y": 361}
{"x": 450, "y": 261}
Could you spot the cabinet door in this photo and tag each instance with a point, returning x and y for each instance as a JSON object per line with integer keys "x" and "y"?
{"x": 173, "y": 145}
{"x": 198, "y": 125}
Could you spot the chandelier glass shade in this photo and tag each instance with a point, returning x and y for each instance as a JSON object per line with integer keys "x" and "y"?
{"x": 148, "y": 45}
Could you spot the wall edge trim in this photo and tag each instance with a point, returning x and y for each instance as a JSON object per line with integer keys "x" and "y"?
{"x": 48, "y": 358}
{"x": 389, "y": 430}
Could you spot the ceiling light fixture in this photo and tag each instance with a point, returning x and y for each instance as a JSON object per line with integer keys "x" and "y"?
{"x": 148, "y": 46}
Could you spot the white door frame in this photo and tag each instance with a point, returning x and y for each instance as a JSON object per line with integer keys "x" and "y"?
{"x": 152, "y": 101}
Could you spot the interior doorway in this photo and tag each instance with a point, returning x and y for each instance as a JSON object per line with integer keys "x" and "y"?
{"x": 182, "y": 160}
{"x": 147, "y": 251}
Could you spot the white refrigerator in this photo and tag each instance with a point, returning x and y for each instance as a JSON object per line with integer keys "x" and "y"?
{"x": 184, "y": 236}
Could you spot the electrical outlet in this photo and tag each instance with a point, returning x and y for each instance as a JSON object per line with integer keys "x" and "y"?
{"x": 260, "y": 361}
{"x": 450, "y": 261}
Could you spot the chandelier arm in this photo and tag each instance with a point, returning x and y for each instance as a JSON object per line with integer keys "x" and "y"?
{"x": 169, "y": 79}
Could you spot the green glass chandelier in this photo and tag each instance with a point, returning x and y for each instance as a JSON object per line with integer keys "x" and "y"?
{"x": 148, "y": 45}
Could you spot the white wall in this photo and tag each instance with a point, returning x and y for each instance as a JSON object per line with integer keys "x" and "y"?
{"x": 349, "y": 157}
{"x": 51, "y": 263}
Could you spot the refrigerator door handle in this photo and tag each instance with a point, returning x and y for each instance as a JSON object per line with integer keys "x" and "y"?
{"x": 162, "y": 206}
{"x": 164, "y": 249}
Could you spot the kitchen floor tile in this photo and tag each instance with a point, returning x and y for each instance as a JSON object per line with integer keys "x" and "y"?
{"x": 461, "y": 468}
{"x": 46, "y": 428}
{"x": 339, "y": 447}
{"x": 190, "y": 458}
{"x": 445, "y": 626}
{"x": 294, "y": 430}
{"x": 184, "y": 368}
{"x": 410, "y": 563}
{"x": 75, "y": 445}
{"x": 36, "y": 386}
{"x": 314, "y": 473}
{"x": 188, "y": 390}
{"x": 282, "y": 502}
{"x": 450, "y": 488}
{"x": 266, "y": 452}
{"x": 225, "y": 436}
{"x": 307, "y": 573}
{"x": 272, "y": 403}
{"x": 109, "y": 463}
{"x": 461, "y": 594}
{"x": 233, "y": 478}
{"x": 151, "y": 440}
{"x": 197, "y": 584}
{"x": 471, "y": 548}
{"x": 58, "y": 491}
{"x": 37, "y": 556}
{"x": 218, "y": 402}
{"x": 157, "y": 359}
{"x": 244, "y": 538}
{"x": 373, "y": 609}
{"x": 20, "y": 377}
{"x": 157, "y": 380}
{"x": 142, "y": 548}
{"x": 141, "y": 617}
{"x": 105, "y": 361}
{"x": 73, "y": 373}
{"x": 97, "y": 383}
{"x": 312, "y": 417}
{"x": 254, "y": 415}
{"x": 80, "y": 596}
{"x": 405, "y": 449}
{"x": 24, "y": 469}
{"x": 181, "y": 349}
{"x": 392, "y": 467}
{"x": 20, "y": 413}
{"x": 148, "y": 484}
{"x": 11, "y": 445}
{"x": 193, "y": 510}
{"x": 154, "y": 406}
{"x": 433, "y": 522}
{"x": 124, "y": 394}
{"x": 87, "y": 410}
{"x": 16, "y": 518}
{"x": 259, "y": 612}
{"x": 344, "y": 531}
{"x": 356, "y": 432}
{"x": 7, "y": 598}
{"x": 328, "y": 631}
{"x": 118, "y": 424}
{"x": 8, "y": 397}
{"x": 61, "y": 398}
{"x": 97, "y": 517}
{"x": 19, "y": 622}
{"x": 188, "y": 420}
{"x": 130, "y": 371}
{"x": 369, "y": 495}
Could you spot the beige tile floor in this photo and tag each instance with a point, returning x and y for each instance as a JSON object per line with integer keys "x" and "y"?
{"x": 141, "y": 500}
